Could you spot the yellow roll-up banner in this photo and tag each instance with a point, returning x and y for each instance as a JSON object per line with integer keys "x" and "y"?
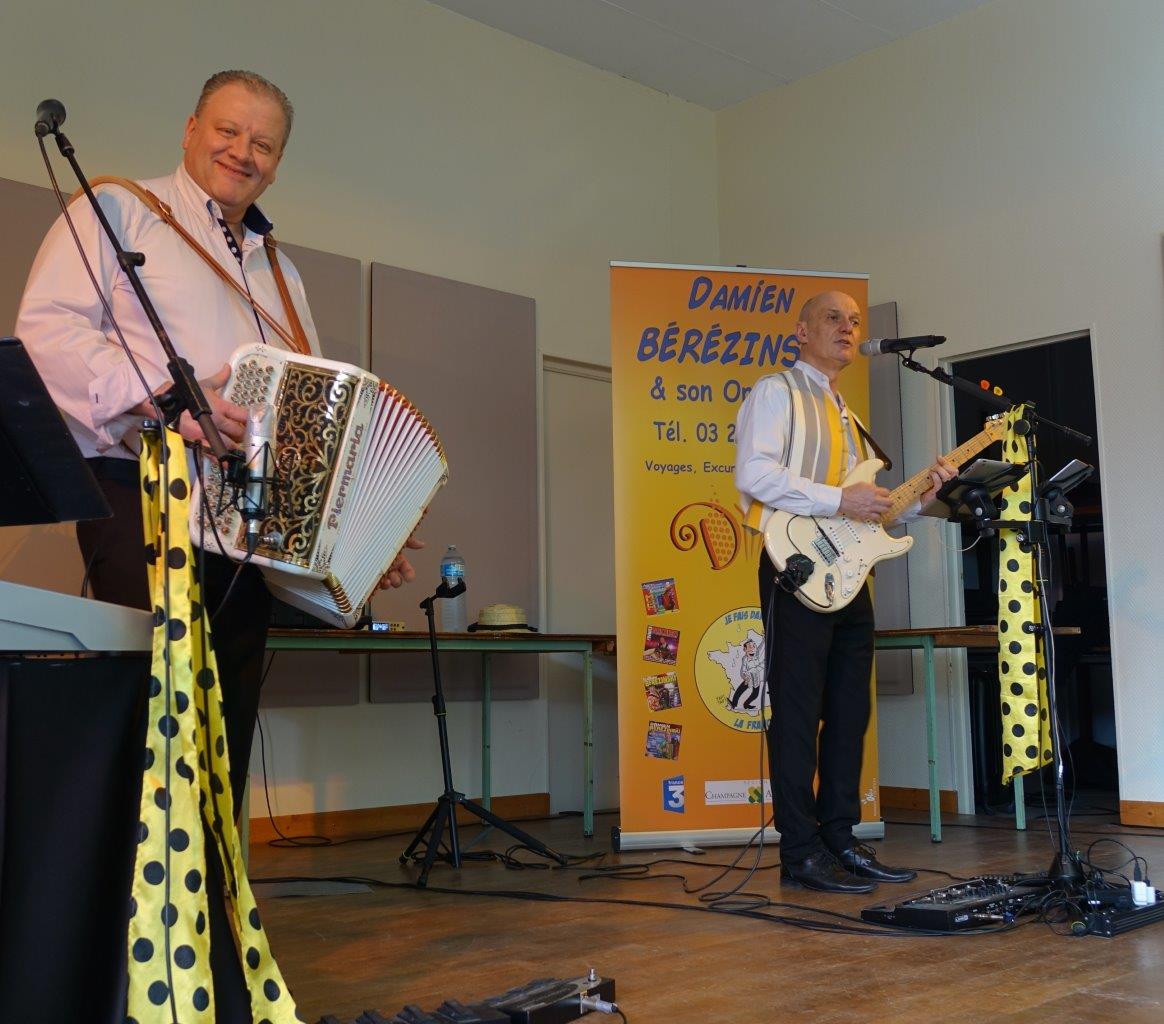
{"x": 688, "y": 343}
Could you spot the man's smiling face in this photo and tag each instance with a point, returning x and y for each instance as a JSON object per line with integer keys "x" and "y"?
{"x": 233, "y": 146}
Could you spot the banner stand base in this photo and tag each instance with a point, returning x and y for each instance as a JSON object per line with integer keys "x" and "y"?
{"x": 622, "y": 841}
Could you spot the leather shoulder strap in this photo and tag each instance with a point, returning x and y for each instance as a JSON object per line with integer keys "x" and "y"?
{"x": 877, "y": 449}
{"x": 301, "y": 344}
{"x": 296, "y": 340}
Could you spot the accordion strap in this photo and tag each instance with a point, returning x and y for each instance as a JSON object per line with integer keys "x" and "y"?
{"x": 299, "y": 343}
{"x": 296, "y": 338}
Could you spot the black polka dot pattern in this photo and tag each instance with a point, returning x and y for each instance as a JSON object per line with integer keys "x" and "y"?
{"x": 169, "y": 884}
{"x": 1020, "y": 671}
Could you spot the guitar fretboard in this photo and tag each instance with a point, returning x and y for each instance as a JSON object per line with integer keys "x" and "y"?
{"x": 905, "y": 494}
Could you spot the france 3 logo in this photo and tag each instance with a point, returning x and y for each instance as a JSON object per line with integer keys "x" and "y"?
{"x": 673, "y": 794}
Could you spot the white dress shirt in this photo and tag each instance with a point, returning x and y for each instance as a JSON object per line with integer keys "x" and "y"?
{"x": 72, "y": 342}
{"x": 761, "y": 432}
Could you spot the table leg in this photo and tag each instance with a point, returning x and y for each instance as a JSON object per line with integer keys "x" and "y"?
{"x": 1020, "y": 804}
{"x": 588, "y": 742}
{"x": 486, "y": 730}
{"x": 932, "y": 739}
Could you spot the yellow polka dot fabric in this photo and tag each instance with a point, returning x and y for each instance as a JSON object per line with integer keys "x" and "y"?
{"x": 185, "y": 780}
{"x": 1022, "y": 675}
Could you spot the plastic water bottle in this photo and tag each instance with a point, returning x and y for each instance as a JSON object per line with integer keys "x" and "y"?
{"x": 454, "y": 610}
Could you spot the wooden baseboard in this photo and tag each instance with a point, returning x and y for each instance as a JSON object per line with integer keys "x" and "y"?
{"x": 1142, "y": 812}
{"x": 370, "y": 821}
{"x": 905, "y": 798}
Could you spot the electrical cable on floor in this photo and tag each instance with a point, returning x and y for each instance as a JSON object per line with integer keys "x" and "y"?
{"x": 842, "y": 923}
{"x": 1004, "y": 828}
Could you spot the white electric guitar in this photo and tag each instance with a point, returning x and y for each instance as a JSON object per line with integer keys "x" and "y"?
{"x": 843, "y": 550}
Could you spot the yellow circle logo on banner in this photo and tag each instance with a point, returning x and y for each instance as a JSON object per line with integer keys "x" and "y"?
{"x": 730, "y": 670}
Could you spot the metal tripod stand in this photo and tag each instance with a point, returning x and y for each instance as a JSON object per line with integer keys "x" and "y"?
{"x": 432, "y": 834}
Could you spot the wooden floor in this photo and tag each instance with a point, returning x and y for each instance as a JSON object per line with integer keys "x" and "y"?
{"x": 380, "y": 950}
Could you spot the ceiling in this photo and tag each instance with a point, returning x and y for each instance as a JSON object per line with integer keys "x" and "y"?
{"x": 710, "y": 52}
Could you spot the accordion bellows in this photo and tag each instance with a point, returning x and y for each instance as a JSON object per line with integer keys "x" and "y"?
{"x": 358, "y": 464}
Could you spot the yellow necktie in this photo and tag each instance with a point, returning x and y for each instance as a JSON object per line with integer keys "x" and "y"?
{"x": 185, "y": 778}
{"x": 1022, "y": 675}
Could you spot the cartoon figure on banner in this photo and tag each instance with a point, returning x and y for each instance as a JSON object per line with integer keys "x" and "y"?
{"x": 751, "y": 675}
{"x": 730, "y": 667}
{"x": 715, "y": 525}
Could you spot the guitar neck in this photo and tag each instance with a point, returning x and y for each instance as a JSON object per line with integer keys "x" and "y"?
{"x": 905, "y": 494}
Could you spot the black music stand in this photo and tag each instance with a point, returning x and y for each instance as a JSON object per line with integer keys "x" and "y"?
{"x": 969, "y": 497}
{"x": 1052, "y": 511}
{"x": 43, "y": 477}
{"x": 444, "y": 816}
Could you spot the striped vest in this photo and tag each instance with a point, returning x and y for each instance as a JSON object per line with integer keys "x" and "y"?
{"x": 817, "y": 443}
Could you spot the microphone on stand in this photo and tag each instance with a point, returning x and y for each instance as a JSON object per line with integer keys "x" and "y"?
{"x": 50, "y": 115}
{"x": 260, "y": 462}
{"x": 883, "y": 346}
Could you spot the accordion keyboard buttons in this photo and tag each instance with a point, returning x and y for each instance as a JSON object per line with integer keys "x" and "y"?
{"x": 252, "y": 382}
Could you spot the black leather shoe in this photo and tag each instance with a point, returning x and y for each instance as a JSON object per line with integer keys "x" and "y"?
{"x": 860, "y": 860}
{"x": 822, "y": 871}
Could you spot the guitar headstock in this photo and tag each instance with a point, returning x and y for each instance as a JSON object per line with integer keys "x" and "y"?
{"x": 995, "y": 427}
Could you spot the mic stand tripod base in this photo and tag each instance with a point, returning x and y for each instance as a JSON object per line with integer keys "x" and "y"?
{"x": 1065, "y": 872}
{"x": 443, "y": 818}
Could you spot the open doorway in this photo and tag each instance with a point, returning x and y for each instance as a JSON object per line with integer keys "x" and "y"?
{"x": 1057, "y": 376}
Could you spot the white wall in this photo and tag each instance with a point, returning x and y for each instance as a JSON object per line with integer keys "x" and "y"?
{"x": 422, "y": 140}
{"x": 1001, "y": 176}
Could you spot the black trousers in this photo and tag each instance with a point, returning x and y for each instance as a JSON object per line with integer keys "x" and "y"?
{"x": 818, "y": 676}
{"x": 114, "y": 554}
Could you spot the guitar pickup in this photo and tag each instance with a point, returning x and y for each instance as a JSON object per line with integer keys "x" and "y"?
{"x": 824, "y": 548}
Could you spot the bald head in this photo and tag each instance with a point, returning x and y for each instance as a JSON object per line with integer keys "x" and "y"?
{"x": 828, "y": 329}
{"x": 824, "y": 300}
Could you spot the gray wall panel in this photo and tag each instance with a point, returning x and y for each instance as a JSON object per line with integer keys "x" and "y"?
{"x": 891, "y": 588}
{"x": 466, "y": 356}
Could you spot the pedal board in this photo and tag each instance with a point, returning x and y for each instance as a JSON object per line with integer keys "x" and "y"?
{"x": 449, "y": 1012}
{"x": 542, "y": 1001}
{"x": 976, "y": 903}
{"x": 1114, "y": 920}
{"x": 551, "y": 1000}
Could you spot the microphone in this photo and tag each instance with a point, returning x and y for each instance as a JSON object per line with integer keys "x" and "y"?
{"x": 883, "y": 346}
{"x": 260, "y": 461}
{"x": 50, "y": 115}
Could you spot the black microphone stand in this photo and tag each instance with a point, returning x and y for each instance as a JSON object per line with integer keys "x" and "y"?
{"x": 187, "y": 394}
{"x": 1049, "y": 508}
{"x": 993, "y": 398}
{"x": 444, "y": 815}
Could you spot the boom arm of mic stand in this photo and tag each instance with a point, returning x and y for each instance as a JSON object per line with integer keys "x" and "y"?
{"x": 188, "y": 392}
{"x": 1000, "y": 402}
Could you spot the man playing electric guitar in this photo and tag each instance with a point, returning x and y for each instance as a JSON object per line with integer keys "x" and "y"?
{"x": 795, "y": 442}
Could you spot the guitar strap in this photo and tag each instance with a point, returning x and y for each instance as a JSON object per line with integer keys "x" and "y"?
{"x": 871, "y": 441}
{"x": 1022, "y": 675}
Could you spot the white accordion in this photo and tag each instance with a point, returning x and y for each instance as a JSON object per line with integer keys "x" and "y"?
{"x": 357, "y": 465}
